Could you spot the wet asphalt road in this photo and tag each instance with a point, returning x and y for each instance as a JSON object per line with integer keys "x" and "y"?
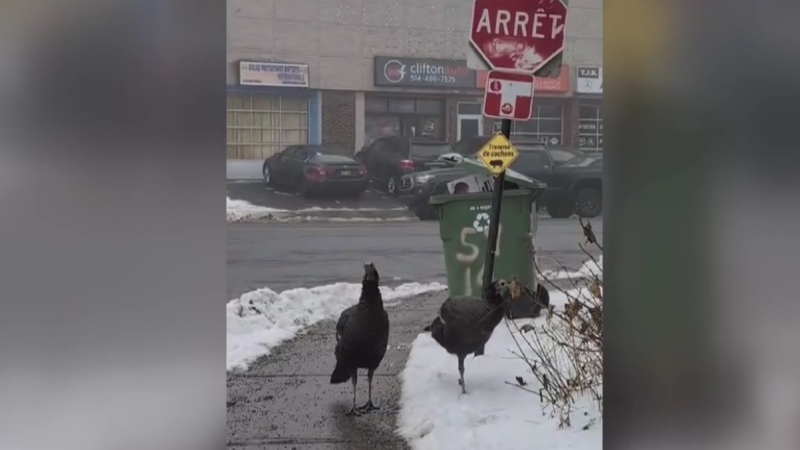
{"x": 284, "y": 400}
{"x": 285, "y": 256}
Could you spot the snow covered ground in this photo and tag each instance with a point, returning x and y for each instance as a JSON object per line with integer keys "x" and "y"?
{"x": 493, "y": 414}
{"x": 242, "y": 211}
{"x": 588, "y": 270}
{"x": 262, "y": 319}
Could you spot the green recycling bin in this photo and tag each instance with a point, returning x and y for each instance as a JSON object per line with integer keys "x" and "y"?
{"x": 464, "y": 228}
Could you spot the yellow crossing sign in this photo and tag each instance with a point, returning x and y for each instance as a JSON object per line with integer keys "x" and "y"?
{"x": 497, "y": 154}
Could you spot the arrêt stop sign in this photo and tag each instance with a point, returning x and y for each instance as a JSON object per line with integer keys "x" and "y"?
{"x": 518, "y": 35}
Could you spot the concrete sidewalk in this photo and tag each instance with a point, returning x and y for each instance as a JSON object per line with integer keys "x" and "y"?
{"x": 285, "y": 400}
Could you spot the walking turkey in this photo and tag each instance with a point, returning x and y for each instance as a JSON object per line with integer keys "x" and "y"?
{"x": 466, "y": 323}
{"x": 362, "y": 334}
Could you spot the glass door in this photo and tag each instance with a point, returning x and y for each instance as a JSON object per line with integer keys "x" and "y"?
{"x": 469, "y": 126}
{"x": 470, "y": 120}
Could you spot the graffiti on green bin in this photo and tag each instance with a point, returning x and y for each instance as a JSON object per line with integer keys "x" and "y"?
{"x": 470, "y": 257}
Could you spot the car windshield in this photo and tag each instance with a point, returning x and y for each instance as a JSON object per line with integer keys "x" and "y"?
{"x": 430, "y": 150}
{"x": 582, "y": 161}
{"x": 560, "y": 156}
{"x": 328, "y": 153}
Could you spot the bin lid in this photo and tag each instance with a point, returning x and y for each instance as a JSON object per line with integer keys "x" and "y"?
{"x": 475, "y": 166}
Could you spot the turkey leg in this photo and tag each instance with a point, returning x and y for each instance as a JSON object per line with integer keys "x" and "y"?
{"x": 461, "y": 373}
{"x": 369, "y": 406}
{"x": 354, "y": 378}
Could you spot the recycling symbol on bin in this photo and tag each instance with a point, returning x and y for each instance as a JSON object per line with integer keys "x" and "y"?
{"x": 481, "y": 222}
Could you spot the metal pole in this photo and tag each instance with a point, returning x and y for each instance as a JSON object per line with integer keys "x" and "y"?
{"x": 494, "y": 221}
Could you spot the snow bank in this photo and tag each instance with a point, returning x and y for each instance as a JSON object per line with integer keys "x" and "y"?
{"x": 588, "y": 270}
{"x": 492, "y": 415}
{"x": 260, "y": 320}
{"x": 239, "y": 210}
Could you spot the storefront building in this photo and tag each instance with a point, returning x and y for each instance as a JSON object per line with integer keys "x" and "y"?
{"x": 269, "y": 109}
{"x": 589, "y": 98}
{"x": 310, "y": 72}
{"x": 410, "y": 96}
{"x": 442, "y": 100}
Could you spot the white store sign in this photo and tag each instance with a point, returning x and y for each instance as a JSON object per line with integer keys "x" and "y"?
{"x": 589, "y": 80}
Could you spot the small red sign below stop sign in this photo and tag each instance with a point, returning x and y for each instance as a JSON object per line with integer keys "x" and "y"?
{"x": 518, "y": 35}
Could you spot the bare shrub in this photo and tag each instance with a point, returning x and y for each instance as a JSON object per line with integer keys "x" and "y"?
{"x": 565, "y": 351}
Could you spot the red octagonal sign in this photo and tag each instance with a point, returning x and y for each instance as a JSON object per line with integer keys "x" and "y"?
{"x": 518, "y": 35}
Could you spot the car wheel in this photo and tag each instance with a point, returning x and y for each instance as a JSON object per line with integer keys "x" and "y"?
{"x": 392, "y": 186}
{"x": 266, "y": 173}
{"x": 589, "y": 203}
{"x": 558, "y": 210}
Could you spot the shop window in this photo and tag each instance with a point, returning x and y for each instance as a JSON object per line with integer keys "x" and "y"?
{"x": 590, "y": 126}
{"x": 469, "y": 109}
{"x": 404, "y": 117}
{"x": 429, "y": 107}
{"x": 376, "y": 105}
{"x": 380, "y": 126}
{"x": 546, "y": 124}
{"x": 260, "y": 125}
{"x": 429, "y": 126}
{"x": 401, "y": 106}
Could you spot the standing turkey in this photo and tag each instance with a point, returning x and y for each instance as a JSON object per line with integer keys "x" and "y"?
{"x": 466, "y": 323}
{"x": 362, "y": 335}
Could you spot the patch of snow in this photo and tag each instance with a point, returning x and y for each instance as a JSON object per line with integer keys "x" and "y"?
{"x": 240, "y": 210}
{"x": 282, "y": 217}
{"x": 243, "y": 211}
{"x": 588, "y": 270}
{"x": 319, "y": 208}
{"x": 365, "y": 219}
{"x": 260, "y": 320}
{"x": 492, "y": 415}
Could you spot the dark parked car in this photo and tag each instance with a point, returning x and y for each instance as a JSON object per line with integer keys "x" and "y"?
{"x": 311, "y": 169}
{"x": 471, "y": 146}
{"x": 573, "y": 179}
{"x": 389, "y": 158}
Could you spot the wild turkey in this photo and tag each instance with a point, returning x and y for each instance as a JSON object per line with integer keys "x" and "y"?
{"x": 362, "y": 334}
{"x": 540, "y": 298}
{"x": 466, "y": 323}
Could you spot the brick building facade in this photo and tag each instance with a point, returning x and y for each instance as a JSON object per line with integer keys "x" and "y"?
{"x": 350, "y": 64}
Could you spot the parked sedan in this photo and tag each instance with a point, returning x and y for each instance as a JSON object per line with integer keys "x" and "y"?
{"x": 572, "y": 186}
{"x": 312, "y": 169}
{"x": 389, "y": 158}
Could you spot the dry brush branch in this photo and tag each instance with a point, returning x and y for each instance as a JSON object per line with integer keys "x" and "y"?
{"x": 564, "y": 351}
